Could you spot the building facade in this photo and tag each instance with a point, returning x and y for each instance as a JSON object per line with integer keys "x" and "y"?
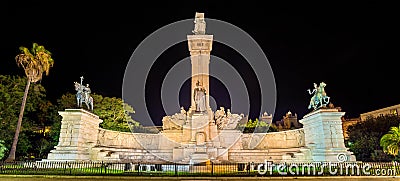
{"x": 288, "y": 122}
{"x": 391, "y": 110}
{"x": 346, "y": 122}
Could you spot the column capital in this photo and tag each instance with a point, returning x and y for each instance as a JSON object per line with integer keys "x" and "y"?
{"x": 201, "y": 43}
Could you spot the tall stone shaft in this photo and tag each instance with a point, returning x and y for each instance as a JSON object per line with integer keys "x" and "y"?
{"x": 200, "y": 47}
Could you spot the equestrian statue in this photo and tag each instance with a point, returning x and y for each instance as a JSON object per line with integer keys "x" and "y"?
{"x": 319, "y": 98}
{"x": 83, "y": 95}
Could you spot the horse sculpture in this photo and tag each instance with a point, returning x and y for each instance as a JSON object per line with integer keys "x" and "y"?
{"x": 319, "y": 99}
{"x": 82, "y": 95}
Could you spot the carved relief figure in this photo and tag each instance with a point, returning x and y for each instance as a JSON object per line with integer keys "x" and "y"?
{"x": 219, "y": 115}
{"x": 232, "y": 121}
{"x": 174, "y": 122}
{"x": 183, "y": 112}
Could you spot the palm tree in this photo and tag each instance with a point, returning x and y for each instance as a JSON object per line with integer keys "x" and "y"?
{"x": 35, "y": 62}
{"x": 390, "y": 142}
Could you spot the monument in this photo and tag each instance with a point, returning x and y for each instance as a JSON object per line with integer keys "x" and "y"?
{"x": 199, "y": 134}
{"x": 323, "y": 129}
{"x": 79, "y": 129}
{"x": 83, "y": 95}
{"x": 319, "y": 99}
{"x": 200, "y": 129}
{"x": 78, "y": 135}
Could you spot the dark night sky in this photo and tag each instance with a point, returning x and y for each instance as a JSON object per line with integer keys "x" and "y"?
{"x": 351, "y": 47}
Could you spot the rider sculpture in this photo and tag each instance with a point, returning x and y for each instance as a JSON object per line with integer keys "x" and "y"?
{"x": 319, "y": 99}
{"x": 83, "y": 95}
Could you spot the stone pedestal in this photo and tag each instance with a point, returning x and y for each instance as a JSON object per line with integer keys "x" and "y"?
{"x": 78, "y": 134}
{"x": 200, "y": 135}
{"x": 199, "y": 126}
{"x": 324, "y": 136}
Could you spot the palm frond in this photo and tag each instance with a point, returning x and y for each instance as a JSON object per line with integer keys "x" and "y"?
{"x": 35, "y": 62}
{"x": 390, "y": 142}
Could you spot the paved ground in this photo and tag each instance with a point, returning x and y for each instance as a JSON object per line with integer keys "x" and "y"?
{"x": 116, "y": 178}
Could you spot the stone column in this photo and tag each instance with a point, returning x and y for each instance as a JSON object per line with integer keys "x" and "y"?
{"x": 324, "y": 135}
{"x": 200, "y": 47}
{"x": 78, "y": 134}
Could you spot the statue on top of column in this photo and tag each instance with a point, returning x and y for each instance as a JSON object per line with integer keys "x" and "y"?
{"x": 199, "y": 24}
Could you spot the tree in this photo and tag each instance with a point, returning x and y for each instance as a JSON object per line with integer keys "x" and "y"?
{"x": 390, "y": 142}
{"x": 114, "y": 112}
{"x": 364, "y": 137}
{"x": 47, "y": 129}
{"x": 35, "y": 62}
{"x": 2, "y": 149}
{"x": 257, "y": 126}
{"x": 11, "y": 90}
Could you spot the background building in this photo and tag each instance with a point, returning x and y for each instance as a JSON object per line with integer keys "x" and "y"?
{"x": 346, "y": 122}
{"x": 289, "y": 121}
{"x": 381, "y": 112}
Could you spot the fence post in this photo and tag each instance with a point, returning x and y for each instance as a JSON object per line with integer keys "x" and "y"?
{"x": 65, "y": 166}
{"x": 176, "y": 169}
{"x": 105, "y": 168}
{"x": 70, "y": 168}
{"x": 248, "y": 168}
{"x": 212, "y": 168}
{"x": 101, "y": 168}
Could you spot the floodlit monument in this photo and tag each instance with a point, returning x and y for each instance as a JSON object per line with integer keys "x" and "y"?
{"x": 199, "y": 134}
{"x": 323, "y": 129}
